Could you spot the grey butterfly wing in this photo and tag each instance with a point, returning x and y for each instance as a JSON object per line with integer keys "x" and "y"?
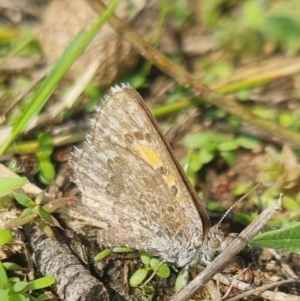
{"x": 129, "y": 180}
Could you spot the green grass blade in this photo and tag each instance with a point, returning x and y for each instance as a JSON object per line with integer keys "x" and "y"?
{"x": 77, "y": 46}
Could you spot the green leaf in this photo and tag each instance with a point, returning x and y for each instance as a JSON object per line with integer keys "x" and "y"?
{"x": 122, "y": 250}
{"x": 16, "y": 297}
{"x": 14, "y": 279}
{"x": 20, "y": 286}
{"x": 254, "y": 15}
{"x": 285, "y": 119}
{"x": 45, "y": 145}
{"x": 242, "y": 188}
{"x": 9, "y": 184}
{"x": 161, "y": 269}
{"x": 24, "y": 200}
{"x": 45, "y": 228}
{"x": 195, "y": 140}
{"x": 216, "y": 138}
{"x": 193, "y": 164}
{"x": 40, "y": 283}
{"x": 5, "y": 237}
{"x": 214, "y": 113}
{"x": 4, "y": 294}
{"x": 206, "y": 155}
{"x": 145, "y": 257}
{"x": 56, "y": 204}
{"x": 245, "y": 218}
{"x": 243, "y": 95}
{"x": 287, "y": 239}
{"x": 11, "y": 266}
{"x": 264, "y": 112}
{"x": 214, "y": 206}
{"x": 35, "y": 209}
{"x": 27, "y": 211}
{"x": 103, "y": 254}
{"x": 47, "y": 171}
{"x": 138, "y": 277}
{"x": 48, "y": 217}
{"x": 282, "y": 28}
{"x": 228, "y": 146}
{"x": 20, "y": 221}
{"x": 4, "y": 283}
{"x": 247, "y": 142}
{"x": 180, "y": 280}
{"x": 93, "y": 91}
{"x": 39, "y": 199}
{"x": 229, "y": 157}
{"x": 234, "y": 123}
{"x": 42, "y": 297}
{"x": 290, "y": 203}
{"x": 154, "y": 263}
{"x": 210, "y": 146}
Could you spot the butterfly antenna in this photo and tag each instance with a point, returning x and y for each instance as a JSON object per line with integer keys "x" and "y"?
{"x": 237, "y": 202}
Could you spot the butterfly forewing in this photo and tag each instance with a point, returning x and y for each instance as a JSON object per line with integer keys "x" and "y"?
{"x": 130, "y": 179}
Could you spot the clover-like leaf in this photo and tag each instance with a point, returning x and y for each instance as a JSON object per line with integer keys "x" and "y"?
{"x": 161, "y": 269}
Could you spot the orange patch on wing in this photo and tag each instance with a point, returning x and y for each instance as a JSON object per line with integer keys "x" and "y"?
{"x": 169, "y": 179}
{"x": 149, "y": 155}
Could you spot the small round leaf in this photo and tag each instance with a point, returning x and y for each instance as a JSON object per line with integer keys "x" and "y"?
{"x": 20, "y": 286}
{"x": 145, "y": 257}
{"x": 138, "y": 277}
{"x": 180, "y": 280}
{"x": 163, "y": 271}
{"x": 154, "y": 263}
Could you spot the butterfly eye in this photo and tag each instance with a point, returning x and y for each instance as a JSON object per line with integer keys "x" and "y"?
{"x": 216, "y": 238}
{"x": 214, "y": 243}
